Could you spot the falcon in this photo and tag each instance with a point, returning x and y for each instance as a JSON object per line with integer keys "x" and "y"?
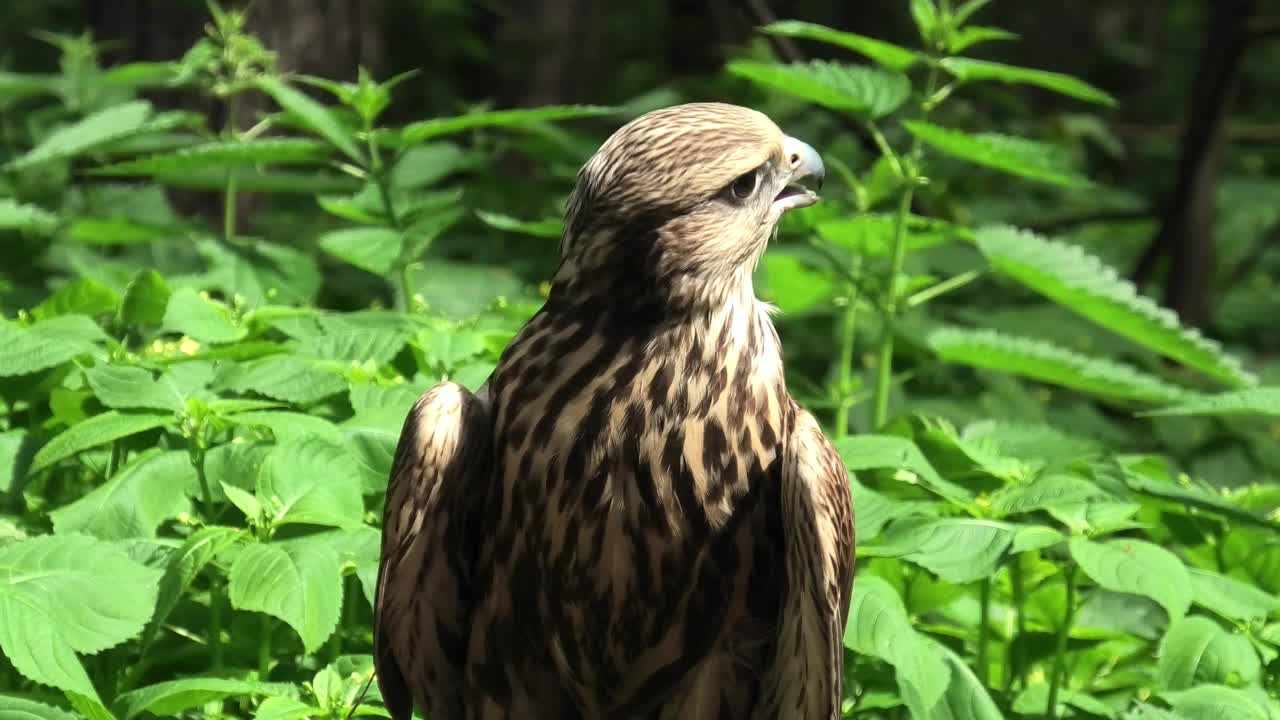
{"x": 631, "y": 518}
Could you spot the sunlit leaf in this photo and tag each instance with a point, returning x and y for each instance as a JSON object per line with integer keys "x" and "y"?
{"x": 97, "y": 430}
{"x": 427, "y": 129}
{"x": 889, "y": 55}
{"x": 850, "y": 88}
{"x": 970, "y": 70}
{"x": 297, "y": 581}
{"x": 315, "y": 116}
{"x": 1136, "y": 566}
{"x": 1014, "y": 155}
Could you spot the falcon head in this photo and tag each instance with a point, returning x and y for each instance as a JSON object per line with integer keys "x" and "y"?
{"x": 689, "y": 193}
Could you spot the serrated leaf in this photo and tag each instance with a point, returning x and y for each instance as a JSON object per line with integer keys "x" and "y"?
{"x": 545, "y": 228}
{"x": 27, "y": 218}
{"x": 152, "y": 488}
{"x": 1138, "y": 567}
{"x": 313, "y": 115}
{"x": 889, "y": 55}
{"x": 1231, "y": 598}
{"x": 184, "y": 566}
{"x": 203, "y": 319}
{"x": 879, "y": 626}
{"x": 289, "y": 378}
{"x": 146, "y": 298}
{"x": 1079, "y": 282}
{"x": 261, "y": 271}
{"x": 1046, "y": 491}
{"x": 424, "y": 130}
{"x": 1013, "y": 155}
{"x": 46, "y": 344}
{"x": 222, "y": 154}
{"x": 957, "y": 550}
{"x": 375, "y": 249}
{"x": 49, "y": 585}
{"x": 129, "y": 387}
{"x": 373, "y": 435}
{"x": 1049, "y": 363}
{"x": 16, "y": 708}
{"x": 311, "y": 482}
{"x": 171, "y": 698}
{"x": 1197, "y": 650}
{"x": 83, "y": 296}
{"x": 970, "y": 70}
{"x": 856, "y": 89}
{"x": 97, "y": 430}
{"x": 109, "y": 124}
{"x": 357, "y": 339}
{"x": 289, "y": 426}
{"x": 298, "y": 581}
{"x": 1217, "y": 702}
{"x": 1254, "y": 401}
{"x": 866, "y": 452}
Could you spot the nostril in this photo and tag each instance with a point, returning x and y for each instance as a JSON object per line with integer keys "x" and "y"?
{"x": 795, "y": 159}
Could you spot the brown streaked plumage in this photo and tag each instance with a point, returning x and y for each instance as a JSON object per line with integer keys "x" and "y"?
{"x": 632, "y": 518}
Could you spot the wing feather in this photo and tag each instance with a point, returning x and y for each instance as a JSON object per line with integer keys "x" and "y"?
{"x": 423, "y": 602}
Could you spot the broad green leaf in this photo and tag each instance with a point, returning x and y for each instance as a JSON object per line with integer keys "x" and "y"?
{"x": 1049, "y": 363}
{"x": 873, "y": 233}
{"x": 375, "y": 249}
{"x": 183, "y": 567}
{"x": 1218, "y": 702}
{"x": 84, "y": 296}
{"x": 970, "y": 70}
{"x": 129, "y": 387}
{"x": 965, "y": 697}
{"x": 311, "y": 482}
{"x": 289, "y": 426}
{"x": 97, "y": 430}
{"x": 1231, "y": 598}
{"x": 223, "y": 154}
{"x": 145, "y": 299}
{"x": 1254, "y": 401}
{"x": 879, "y": 626}
{"x": 793, "y": 285}
{"x": 546, "y": 228}
{"x": 112, "y": 123}
{"x": 14, "y": 456}
{"x": 424, "y": 130}
{"x": 889, "y": 55}
{"x": 118, "y": 231}
{"x": 285, "y": 708}
{"x": 261, "y": 272}
{"x": 856, "y": 89}
{"x": 1046, "y": 491}
{"x": 461, "y": 290}
{"x": 169, "y": 699}
{"x": 200, "y": 318}
{"x": 374, "y": 435}
{"x": 358, "y": 338}
{"x": 47, "y": 344}
{"x": 1032, "y": 702}
{"x": 957, "y": 550}
{"x": 1080, "y": 283}
{"x": 152, "y": 488}
{"x": 50, "y": 586}
{"x": 17, "y": 708}
{"x": 298, "y": 581}
{"x": 279, "y": 182}
{"x": 313, "y": 115}
{"x": 866, "y": 452}
{"x": 1197, "y": 650}
{"x": 28, "y": 218}
{"x": 1138, "y": 567}
{"x": 1017, "y": 156}
{"x": 1027, "y": 538}
{"x": 285, "y": 377}
{"x": 1195, "y": 497}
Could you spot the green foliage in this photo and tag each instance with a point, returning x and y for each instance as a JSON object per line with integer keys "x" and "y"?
{"x": 198, "y": 417}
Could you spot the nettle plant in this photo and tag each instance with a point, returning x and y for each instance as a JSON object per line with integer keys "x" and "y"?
{"x": 1011, "y": 567}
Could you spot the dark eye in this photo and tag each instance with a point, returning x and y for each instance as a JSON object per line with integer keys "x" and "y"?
{"x": 744, "y": 185}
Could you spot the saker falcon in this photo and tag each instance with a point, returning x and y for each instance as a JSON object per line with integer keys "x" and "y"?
{"x": 632, "y": 518}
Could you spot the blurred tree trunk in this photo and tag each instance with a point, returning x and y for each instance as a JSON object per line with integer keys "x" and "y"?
{"x": 1186, "y": 230}
{"x": 329, "y": 38}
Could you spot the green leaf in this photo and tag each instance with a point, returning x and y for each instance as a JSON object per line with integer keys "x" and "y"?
{"x": 1254, "y": 401}
{"x": 1034, "y": 699}
{"x": 965, "y": 38}
{"x": 97, "y": 430}
{"x": 1197, "y": 650}
{"x": 289, "y": 426}
{"x": 957, "y": 550}
{"x": 873, "y": 233}
{"x": 109, "y": 124}
{"x": 84, "y": 296}
{"x": 129, "y": 387}
{"x": 1049, "y": 363}
{"x": 146, "y": 298}
{"x": 312, "y": 482}
{"x": 1231, "y": 598}
{"x": 223, "y": 154}
{"x": 546, "y": 228}
{"x": 133, "y": 502}
{"x": 894, "y": 57}
{"x": 289, "y": 378}
{"x": 200, "y": 318}
{"x": 928, "y": 22}
{"x": 169, "y": 699}
{"x": 285, "y": 708}
{"x": 965, "y": 697}
{"x": 261, "y": 271}
{"x": 1138, "y": 567}
{"x": 27, "y": 218}
{"x": 375, "y": 249}
{"x": 866, "y": 452}
{"x": 47, "y": 344}
{"x": 358, "y": 338}
{"x": 50, "y": 586}
{"x": 856, "y": 89}
{"x": 16, "y": 708}
{"x": 15, "y": 454}
{"x": 463, "y": 289}
{"x": 298, "y": 581}
{"x": 970, "y": 70}
{"x": 794, "y": 285}
{"x": 879, "y": 626}
{"x": 118, "y": 231}
{"x": 1017, "y": 156}
{"x": 1079, "y": 282}
{"x": 184, "y": 565}
{"x": 424, "y": 130}
{"x": 1217, "y": 702}
{"x": 1046, "y": 491}
{"x": 313, "y": 115}
{"x": 280, "y": 182}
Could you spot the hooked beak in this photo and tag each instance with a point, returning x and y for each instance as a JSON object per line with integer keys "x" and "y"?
{"x": 806, "y": 165}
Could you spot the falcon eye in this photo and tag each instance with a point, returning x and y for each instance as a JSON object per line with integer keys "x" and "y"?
{"x": 745, "y": 185}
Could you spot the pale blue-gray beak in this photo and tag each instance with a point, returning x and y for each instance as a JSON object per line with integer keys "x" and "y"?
{"x": 807, "y": 166}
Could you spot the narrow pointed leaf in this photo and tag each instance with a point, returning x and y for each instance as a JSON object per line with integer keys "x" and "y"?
{"x": 854, "y": 89}
{"x": 435, "y": 127}
{"x": 894, "y": 57}
{"x": 112, "y": 123}
{"x": 28, "y": 218}
{"x": 97, "y": 430}
{"x": 1255, "y": 401}
{"x": 970, "y": 70}
{"x": 315, "y": 116}
{"x": 223, "y": 154}
{"x": 1013, "y": 155}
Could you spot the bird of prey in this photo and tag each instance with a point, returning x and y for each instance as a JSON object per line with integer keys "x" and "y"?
{"x": 631, "y": 518}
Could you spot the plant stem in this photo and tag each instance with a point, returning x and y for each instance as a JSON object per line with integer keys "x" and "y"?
{"x": 884, "y": 367}
{"x": 1015, "y": 648}
{"x": 264, "y": 646}
{"x": 848, "y": 327}
{"x": 984, "y": 631}
{"x": 1059, "y": 659}
{"x": 229, "y": 196}
{"x": 216, "y": 594}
